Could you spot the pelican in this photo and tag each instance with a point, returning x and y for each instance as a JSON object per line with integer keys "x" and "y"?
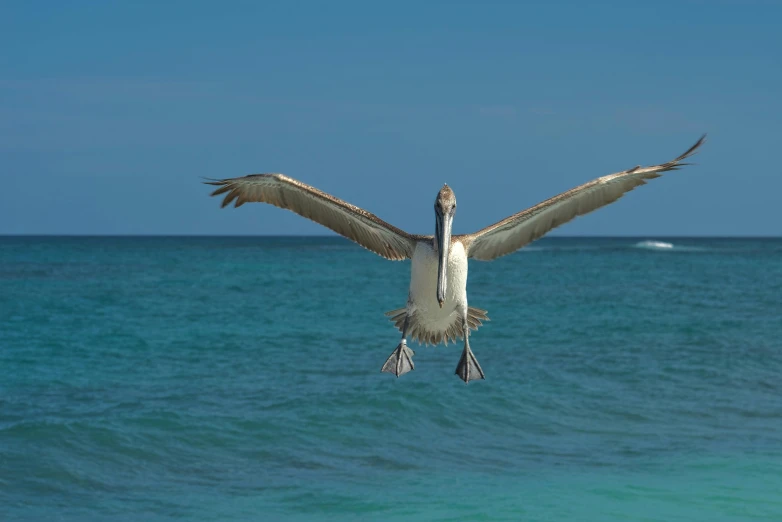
{"x": 437, "y": 309}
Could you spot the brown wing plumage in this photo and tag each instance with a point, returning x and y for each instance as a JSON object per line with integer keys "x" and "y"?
{"x": 345, "y": 219}
{"x": 514, "y": 232}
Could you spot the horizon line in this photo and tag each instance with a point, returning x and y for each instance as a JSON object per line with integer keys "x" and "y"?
{"x": 337, "y": 236}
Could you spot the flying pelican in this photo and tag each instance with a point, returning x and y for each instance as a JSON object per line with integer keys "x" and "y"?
{"x": 437, "y": 307}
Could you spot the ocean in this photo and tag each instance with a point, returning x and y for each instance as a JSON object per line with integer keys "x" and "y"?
{"x": 203, "y": 378}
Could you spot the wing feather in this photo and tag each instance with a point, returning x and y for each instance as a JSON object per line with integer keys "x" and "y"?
{"x": 345, "y": 219}
{"x": 522, "y": 228}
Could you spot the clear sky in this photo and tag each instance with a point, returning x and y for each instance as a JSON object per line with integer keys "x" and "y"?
{"x": 111, "y": 112}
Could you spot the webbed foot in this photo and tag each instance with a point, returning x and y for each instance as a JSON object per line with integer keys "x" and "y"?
{"x": 468, "y": 368}
{"x": 400, "y": 361}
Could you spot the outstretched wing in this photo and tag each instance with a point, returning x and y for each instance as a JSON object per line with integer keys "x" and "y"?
{"x": 354, "y": 223}
{"x": 514, "y": 232}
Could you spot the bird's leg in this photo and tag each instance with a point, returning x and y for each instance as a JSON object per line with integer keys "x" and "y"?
{"x": 401, "y": 359}
{"x": 468, "y": 368}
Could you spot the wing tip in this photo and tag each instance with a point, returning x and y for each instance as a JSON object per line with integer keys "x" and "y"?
{"x": 213, "y": 181}
{"x": 677, "y": 163}
{"x": 694, "y": 149}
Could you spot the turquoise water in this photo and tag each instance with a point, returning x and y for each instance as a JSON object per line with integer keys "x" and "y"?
{"x": 239, "y": 379}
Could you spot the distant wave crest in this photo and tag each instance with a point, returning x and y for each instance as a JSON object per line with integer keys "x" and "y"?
{"x": 654, "y": 245}
{"x": 615, "y": 245}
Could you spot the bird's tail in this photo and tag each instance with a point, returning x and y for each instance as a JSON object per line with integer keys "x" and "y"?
{"x": 420, "y": 333}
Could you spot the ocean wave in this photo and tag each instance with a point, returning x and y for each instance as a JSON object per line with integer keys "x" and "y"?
{"x": 665, "y": 246}
{"x": 654, "y": 245}
{"x": 648, "y": 244}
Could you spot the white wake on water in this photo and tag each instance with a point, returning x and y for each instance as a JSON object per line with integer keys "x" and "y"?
{"x": 648, "y": 244}
{"x": 654, "y": 245}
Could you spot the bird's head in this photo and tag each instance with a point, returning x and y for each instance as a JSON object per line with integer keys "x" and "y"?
{"x": 444, "y": 210}
{"x": 445, "y": 204}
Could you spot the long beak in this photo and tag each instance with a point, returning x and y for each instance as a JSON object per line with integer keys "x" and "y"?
{"x": 443, "y": 233}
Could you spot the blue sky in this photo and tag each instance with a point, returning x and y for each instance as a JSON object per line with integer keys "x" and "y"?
{"x": 111, "y": 112}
